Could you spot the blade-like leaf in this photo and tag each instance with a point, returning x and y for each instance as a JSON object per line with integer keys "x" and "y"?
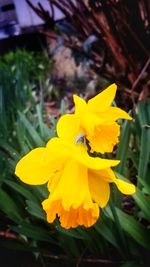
{"x": 132, "y": 227}
{"x": 31, "y": 130}
{"x": 35, "y": 210}
{"x": 33, "y": 231}
{"x": 9, "y": 207}
{"x": 26, "y": 193}
{"x": 144, "y": 152}
{"x": 143, "y": 202}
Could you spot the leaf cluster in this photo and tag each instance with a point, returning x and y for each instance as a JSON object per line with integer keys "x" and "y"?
{"x": 121, "y": 237}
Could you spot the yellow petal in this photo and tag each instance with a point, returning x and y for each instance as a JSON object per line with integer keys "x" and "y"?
{"x": 32, "y": 168}
{"x": 88, "y": 122}
{"x": 51, "y": 209}
{"x": 81, "y": 155}
{"x": 74, "y": 176}
{"x": 99, "y": 188}
{"x": 88, "y": 217}
{"x": 103, "y": 100}
{"x": 104, "y": 138}
{"x": 80, "y": 105}
{"x": 124, "y": 187}
{"x": 113, "y": 114}
{"x": 68, "y": 127}
{"x": 71, "y": 199}
{"x": 58, "y": 149}
{"x": 107, "y": 175}
{"x": 54, "y": 179}
{"x": 73, "y": 217}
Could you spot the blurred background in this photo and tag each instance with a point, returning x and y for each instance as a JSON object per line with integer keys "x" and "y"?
{"x": 49, "y": 50}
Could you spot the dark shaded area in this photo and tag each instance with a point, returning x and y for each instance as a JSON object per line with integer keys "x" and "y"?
{"x": 34, "y": 41}
{"x": 17, "y": 258}
{"x": 8, "y": 7}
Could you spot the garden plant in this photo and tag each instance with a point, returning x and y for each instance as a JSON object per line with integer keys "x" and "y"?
{"x": 75, "y": 186}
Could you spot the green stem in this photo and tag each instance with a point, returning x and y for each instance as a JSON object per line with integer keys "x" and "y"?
{"x": 122, "y": 238}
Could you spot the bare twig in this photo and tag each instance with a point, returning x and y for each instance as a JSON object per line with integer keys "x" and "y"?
{"x": 122, "y": 34}
{"x": 140, "y": 76}
{"x": 85, "y": 260}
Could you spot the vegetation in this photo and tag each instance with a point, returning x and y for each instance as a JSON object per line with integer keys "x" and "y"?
{"x": 121, "y": 237}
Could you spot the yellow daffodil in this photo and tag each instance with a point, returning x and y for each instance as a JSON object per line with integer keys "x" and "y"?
{"x": 78, "y": 183}
{"x": 95, "y": 119}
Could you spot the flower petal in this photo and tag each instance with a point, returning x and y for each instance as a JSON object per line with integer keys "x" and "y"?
{"x": 88, "y": 217}
{"x": 32, "y": 168}
{"x": 88, "y": 123}
{"x": 103, "y": 100}
{"x": 58, "y": 149}
{"x": 114, "y": 113}
{"x": 80, "y": 105}
{"x": 124, "y": 187}
{"x": 68, "y": 187}
{"x": 99, "y": 188}
{"x": 73, "y": 217}
{"x": 105, "y": 137}
{"x": 81, "y": 155}
{"x": 71, "y": 199}
{"x": 68, "y": 127}
{"x": 54, "y": 180}
{"x": 109, "y": 176}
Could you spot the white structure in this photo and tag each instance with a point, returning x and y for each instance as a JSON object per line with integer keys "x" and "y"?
{"x": 27, "y": 17}
{"x": 16, "y": 15}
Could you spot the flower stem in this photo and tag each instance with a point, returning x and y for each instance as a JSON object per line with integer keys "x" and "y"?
{"x": 121, "y": 238}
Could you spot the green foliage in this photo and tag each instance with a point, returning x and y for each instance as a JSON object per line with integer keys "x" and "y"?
{"x": 121, "y": 235}
{"x": 116, "y": 236}
{"x": 20, "y": 74}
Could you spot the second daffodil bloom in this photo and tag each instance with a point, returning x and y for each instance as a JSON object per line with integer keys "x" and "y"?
{"x": 95, "y": 119}
{"x": 78, "y": 183}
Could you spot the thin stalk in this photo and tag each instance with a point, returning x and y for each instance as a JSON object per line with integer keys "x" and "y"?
{"x": 122, "y": 238}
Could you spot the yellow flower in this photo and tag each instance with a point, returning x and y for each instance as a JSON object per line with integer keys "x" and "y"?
{"x": 78, "y": 183}
{"x": 95, "y": 119}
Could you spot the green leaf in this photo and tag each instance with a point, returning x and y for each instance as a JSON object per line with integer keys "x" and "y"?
{"x": 132, "y": 227}
{"x": 40, "y": 191}
{"x": 62, "y": 107}
{"x": 17, "y": 245}
{"x": 19, "y": 188}
{"x": 144, "y": 152}
{"x": 143, "y": 112}
{"x": 9, "y": 207}
{"x": 122, "y": 150}
{"x": 69, "y": 232}
{"x": 105, "y": 228}
{"x": 36, "y": 210}
{"x": 31, "y": 130}
{"x": 40, "y": 120}
{"x": 145, "y": 185}
{"x": 143, "y": 202}
{"x": 34, "y": 232}
{"x": 70, "y": 245}
{"x": 9, "y": 150}
{"x": 131, "y": 264}
{"x": 134, "y": 157}
{"x": 20, "y": 135}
